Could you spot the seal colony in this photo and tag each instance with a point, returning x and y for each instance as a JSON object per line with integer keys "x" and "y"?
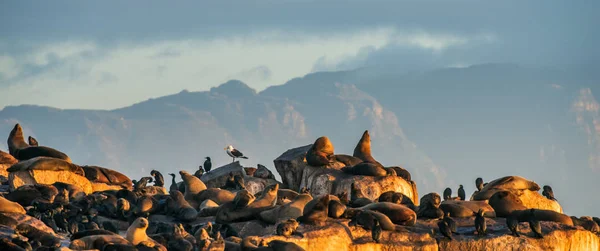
{"x": 134, "y": 215}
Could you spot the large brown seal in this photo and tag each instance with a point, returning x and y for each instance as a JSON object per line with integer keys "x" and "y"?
{"x": 193, "y": 186}
{"x": 363, "y": 149}
{"x": 398, "y": 214}
{"x": 369, "y": 169}
{"x": 7, "y": 206}
{"x": 97, "y": 242}
{"x": 229, "y": 213}
{"x": 347, "y": 159}
{"x": 514, "y": 184}
{"x": 291, "y": 210}
{"x": 184, "y": 211}
{"x": 26, "y": 194}
{"x": 316, "y": 214}
{"x": 527, "y": 215}
{"x": 320, "y": 153}
{"x": 505, "y": 202}
{"x": 18, "y": 148}
{"x": 46, "y": 163}
{"x": 217, "y": 195}
{"x": 107, "y": 176}
{"x": 463, "y": 209}
{"x": 429, "y": 206}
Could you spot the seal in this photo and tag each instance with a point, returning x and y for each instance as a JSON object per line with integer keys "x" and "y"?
{"x": 357, "y": 198}
{"x": 587, "y": 223}
{"x": 18, "y": 148}
{"x": 527, "y": 215}
{"x": 402, "y": 173}
{"x": 46, "y": 163}
{"x": 369, "y": 169}
{"x": 317, "y": 214}
{"x": 242, "y": 199}
{"x": 429, "y": 207}
{"x": 217, "y": 195}
{"x": 229, "y": 213}
{"x": 398, "y": 214}
{"x": 136, "y": 234}
{"x": 366, "y": 219}
{"x": 514, "y": 184}
{"x": 193, "y": 186}
{"x": 6, "y": 158}
{"x": 336, "y": 208}
{"x": 320, "y": 153}
{"x": 75, "y": 192}
{"x": 33, "y": 233}
{"x": 184, "y": 212}
{"x": 107, "y": 176}
{"x": 33, "y": 141}
{"x": 363, "y": 149}
{"x": 25, "y": 195}
{"x": 7, "y": 206}
{"x": 97, "y": 242}
{"x": 85, "y": 233}
{"x": 464, "y": 209}
{"x": 288, "y": 228}
{"x": 505, "y": 202}
{"x": 291, "y": 210}
{"x": 347, "y": 159}
{"x": 391, "y": 196}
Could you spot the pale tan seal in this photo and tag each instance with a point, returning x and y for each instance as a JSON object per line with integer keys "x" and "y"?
{"x": 217, "y": 195}
{"x": 505, "y": 202}
{"x": 7, "y": 206}
{"x": 46, "y": 163}
{"x": 320, "y": 153}
{"x": 291, "y": 210}
{"x": 228, "y": 212}
{"x": 193, "y": 186}
{"x": 398, "y": 214}
{"x": 97, "y": 242}
{"x": 514, "y": 184}
{"x": 136, "y": 234}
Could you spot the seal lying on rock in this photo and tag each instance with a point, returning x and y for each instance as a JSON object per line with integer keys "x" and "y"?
{"x": 18, "y": 148}
{"x": 193, "y": 186}
{"x": 291, "y": 210}
{"x": 7, "y": 206}
{"x": 514, "y": 184}
{"x": 217, "y": 195}
{"x": 347, "y": 159}
{"x": 505, "y": 202}
{"x": 97, "y": 242}
{"x": 459, "y": 208}
{"x": 317, "y": 213}
{"x": 398, "y": 214}
{"x": 320, "y": 153}
{"x": 233, "y": 212}
{"x": 369, "y": 169}
{"x": 46, "y": 163}
{"x": 107, "y": 176}
{"x": 363, "y": 149}
{"x": 429, "y": 207}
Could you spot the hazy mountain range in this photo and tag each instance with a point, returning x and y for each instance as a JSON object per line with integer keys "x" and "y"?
{"x": 446, "y": 126}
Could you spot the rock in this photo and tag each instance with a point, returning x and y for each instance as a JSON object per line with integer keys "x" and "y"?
{"x": 263, "y": 172}
{"x": 217, "y": 177}
{"x": 26, "y": 219}
{"x": 296, "y": 173}
{"x": 32, "y": 177}
{"x": 6, "y": 160}
{"x": 532, "y": 199}
{"x": 99, "y": 187}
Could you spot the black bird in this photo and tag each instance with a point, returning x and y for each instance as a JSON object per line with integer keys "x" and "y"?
{"x": 234, "y": 153}
{"x": 207, "y": 164}
{"x": 376, "y": 231}
{"x": 513, "y": 225}
{"x": 480, "y": 225}
{"x": 461, "y": 192}
{"x": 159, "y": 181}
{"x": 447, "y": 193}
{"x": 199, "y": 172}
{"x": 450, "y": 222}
{"x": 479, "y": 183}
{"x": 444, "y": 229}
{"x": 548, "y": 192}
{"x": 173, "y": 186}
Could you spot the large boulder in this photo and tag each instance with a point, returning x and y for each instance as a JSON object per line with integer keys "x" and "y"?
{"x": 296, "y": 173}
{"x": 217, "y": 178}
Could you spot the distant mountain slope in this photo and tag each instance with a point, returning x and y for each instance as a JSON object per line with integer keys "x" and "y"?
{"x": 447, "y": 126}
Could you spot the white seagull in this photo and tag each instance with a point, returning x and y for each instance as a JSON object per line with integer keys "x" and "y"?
{"x": 234, "y": 153}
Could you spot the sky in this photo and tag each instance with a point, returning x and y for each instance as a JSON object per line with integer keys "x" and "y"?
{"x": 111, "y": 54}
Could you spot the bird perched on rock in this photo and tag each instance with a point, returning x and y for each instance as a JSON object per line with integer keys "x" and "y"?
{"x": 376, "y": 231}
{"x": 444, "y": 229}
{"x": 447, "y": 193}
{"x": 479, "y": 183}
{"x": 208, "y": 164}
{"x": 480, "y": 225}
{"x": 234, "y": 153}
{"x": 461, "y": 192}
{"x": 450, "y": 222}
{"x": 548, "y": 193}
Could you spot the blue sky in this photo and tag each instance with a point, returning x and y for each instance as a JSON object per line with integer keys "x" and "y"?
{"x": 110, "y": 54}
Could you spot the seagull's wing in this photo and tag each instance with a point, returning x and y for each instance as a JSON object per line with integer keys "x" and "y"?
{"x": 237, "y": 153}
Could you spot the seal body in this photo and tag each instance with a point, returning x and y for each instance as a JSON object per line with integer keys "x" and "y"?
{"x": 18, "y": 148}
{"x": 363, "y": 149}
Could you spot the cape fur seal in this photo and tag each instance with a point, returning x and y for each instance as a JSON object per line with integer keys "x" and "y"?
{"x": 7, "y": 206}
{"x": 46, "y": 163}
{"x": 97, "y": 242}
{"x": 363, "y": 149}
{"x": 398, "y": 214}
{"x": 6, "y": 158}
{"x": 463, "y": 209}
{"x": 291, "y": 210}
{"x": 107, "y": 176}
{"x": 18, "y": 148}
{"x": 228, "y": 212}
{"x": 32, "y": 141}
{"x": 369, "y": 169}
{"x": 193, "y": 186}
{"x": 514, "y": 184}
{"x": 26, "y": 194}
{"x": 136, "y": 234}
{"x": 217, "y": 195}
{"x": 429, "y": 206}
{"x": 320, "y": 153}
{"x": 184, "y": 211}
{"x": 402, "y": 173}
{"x": 505, "y": 202}
{"x": 316, "y": 214}
{"x": 347, "y": 159}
